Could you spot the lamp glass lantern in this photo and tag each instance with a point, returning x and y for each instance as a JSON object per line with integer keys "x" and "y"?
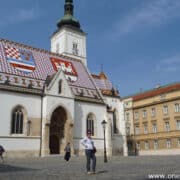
{"x": 104, "y": 128}
{"x": 104, "y": 124}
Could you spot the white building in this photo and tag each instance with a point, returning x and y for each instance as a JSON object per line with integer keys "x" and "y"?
{"x": 50, "y": 98}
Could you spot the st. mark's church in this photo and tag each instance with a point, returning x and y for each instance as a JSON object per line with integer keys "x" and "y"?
{"x": 49, "y": 98}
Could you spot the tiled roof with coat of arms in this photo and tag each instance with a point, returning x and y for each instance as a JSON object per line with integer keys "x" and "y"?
{"x": 29, "y": 67}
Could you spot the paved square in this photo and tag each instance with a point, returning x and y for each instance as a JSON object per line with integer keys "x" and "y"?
{"x": 125, "y": 168}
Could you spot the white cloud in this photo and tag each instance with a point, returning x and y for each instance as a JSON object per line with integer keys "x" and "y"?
{"x": 151, "y": 14}
{"x": 170, "y": 64}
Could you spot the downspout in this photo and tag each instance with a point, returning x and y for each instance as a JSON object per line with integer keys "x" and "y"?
{"x": 42, "y": 95}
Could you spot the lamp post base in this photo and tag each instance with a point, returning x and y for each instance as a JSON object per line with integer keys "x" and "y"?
{"x": 105, "y": 157}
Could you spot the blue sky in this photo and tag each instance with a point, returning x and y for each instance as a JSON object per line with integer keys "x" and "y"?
{"x": 137, "y": 41}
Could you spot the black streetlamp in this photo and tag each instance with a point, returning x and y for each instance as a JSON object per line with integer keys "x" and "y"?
{"x": 104, "y": 128}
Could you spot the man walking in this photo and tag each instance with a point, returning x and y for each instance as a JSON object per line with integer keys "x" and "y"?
{"x": 88, "y": 143}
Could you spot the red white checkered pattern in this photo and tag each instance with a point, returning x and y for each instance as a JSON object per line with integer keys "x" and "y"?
{"x": 12, "y": 52}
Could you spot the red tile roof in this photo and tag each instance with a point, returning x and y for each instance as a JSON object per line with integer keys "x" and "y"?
{"x": 157, "y": 91}
{"x": 104, "y": 84}
{"x": 40, "y": 65}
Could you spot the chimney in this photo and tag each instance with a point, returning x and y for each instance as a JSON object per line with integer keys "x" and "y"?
{"x": 158, "y": 86}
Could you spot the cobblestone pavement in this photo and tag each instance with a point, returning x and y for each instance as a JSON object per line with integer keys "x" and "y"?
{"x": 124, "y": 168}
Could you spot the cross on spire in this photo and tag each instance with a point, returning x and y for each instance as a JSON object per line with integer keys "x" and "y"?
{"x": 68, "y": 1}
{"x": 68, "y": 7}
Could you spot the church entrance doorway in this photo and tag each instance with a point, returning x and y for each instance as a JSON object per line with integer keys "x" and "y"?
{"x": 57, "y": 126}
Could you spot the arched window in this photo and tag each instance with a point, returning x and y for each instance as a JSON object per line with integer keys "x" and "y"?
{"x": 60, "y": 86}
{"x": 90, "y": 123}
{"x": 115, "y": 129}
{"x": 75, "y": 49}
{"x": 17, "y": 121}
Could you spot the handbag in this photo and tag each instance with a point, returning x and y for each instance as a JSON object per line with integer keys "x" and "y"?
{"x": 94, "y": 149}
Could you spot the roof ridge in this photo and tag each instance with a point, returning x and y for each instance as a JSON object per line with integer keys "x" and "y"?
{"x": 92, "y": 80}
{"x": 152, "y": 89}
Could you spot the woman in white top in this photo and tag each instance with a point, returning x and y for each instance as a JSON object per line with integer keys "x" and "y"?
{"x": 88, "y": 143}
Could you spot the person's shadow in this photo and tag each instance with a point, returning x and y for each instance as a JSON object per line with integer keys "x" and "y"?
{"x": 101, "y": 172}
{"x": 4, "y": 168}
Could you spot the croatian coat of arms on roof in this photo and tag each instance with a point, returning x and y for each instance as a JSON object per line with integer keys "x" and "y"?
{"x": 20, "y": 59}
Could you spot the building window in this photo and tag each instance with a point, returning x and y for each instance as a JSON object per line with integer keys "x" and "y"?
{"x": 165, "y": 109}
{"x": 60, "y": 86}
{"x": 154, "y": 128}
{"x": 136, "y": 115}
{"x": 137, "y": 130}
{"x": 75, "y": 49}
{"x": 28, "y": 127}
{"x": 168, "y": 143}
{"x": 155, "y": 144}
{"x": 162, "y": 96}
{"x": 167, "y": 126}
{"x": 144, "y": 113}
{"x": 177, "y": 107}
{"x": 178, "y": 142}
{"x": 90, "y": 124}
{"x": 153, "y": 112}
{"x": 146, "y": 145}
{"x": 138, "y": 146}
{"x": 128, "y": 130}
{"x": 126, "y": 104}
{"x": 145, "y": 128}
{"x": 127, "y": 117}
{"x": 178, "y": 124}
{"x": 17, "y": 121}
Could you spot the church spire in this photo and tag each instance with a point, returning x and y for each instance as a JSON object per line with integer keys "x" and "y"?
{"x": 68, "y": 18}
{"x": 69, "y": 39}
{"x": 68, "y": 7}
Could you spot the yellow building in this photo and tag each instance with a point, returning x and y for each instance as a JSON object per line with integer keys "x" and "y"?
{"x": 128, "y": 117}
{"x": 156, "y": 121}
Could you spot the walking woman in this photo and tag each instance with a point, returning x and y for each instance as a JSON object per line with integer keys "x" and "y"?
{"x": 67, "y": 150}
{"x": 1, "y": 153}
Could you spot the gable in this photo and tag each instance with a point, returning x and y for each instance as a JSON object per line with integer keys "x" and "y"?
{"x": 59, "y": 86}
{"x": 105, "y": 85}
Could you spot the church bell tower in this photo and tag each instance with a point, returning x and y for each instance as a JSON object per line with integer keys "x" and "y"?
{"x": 69, "y": 39}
